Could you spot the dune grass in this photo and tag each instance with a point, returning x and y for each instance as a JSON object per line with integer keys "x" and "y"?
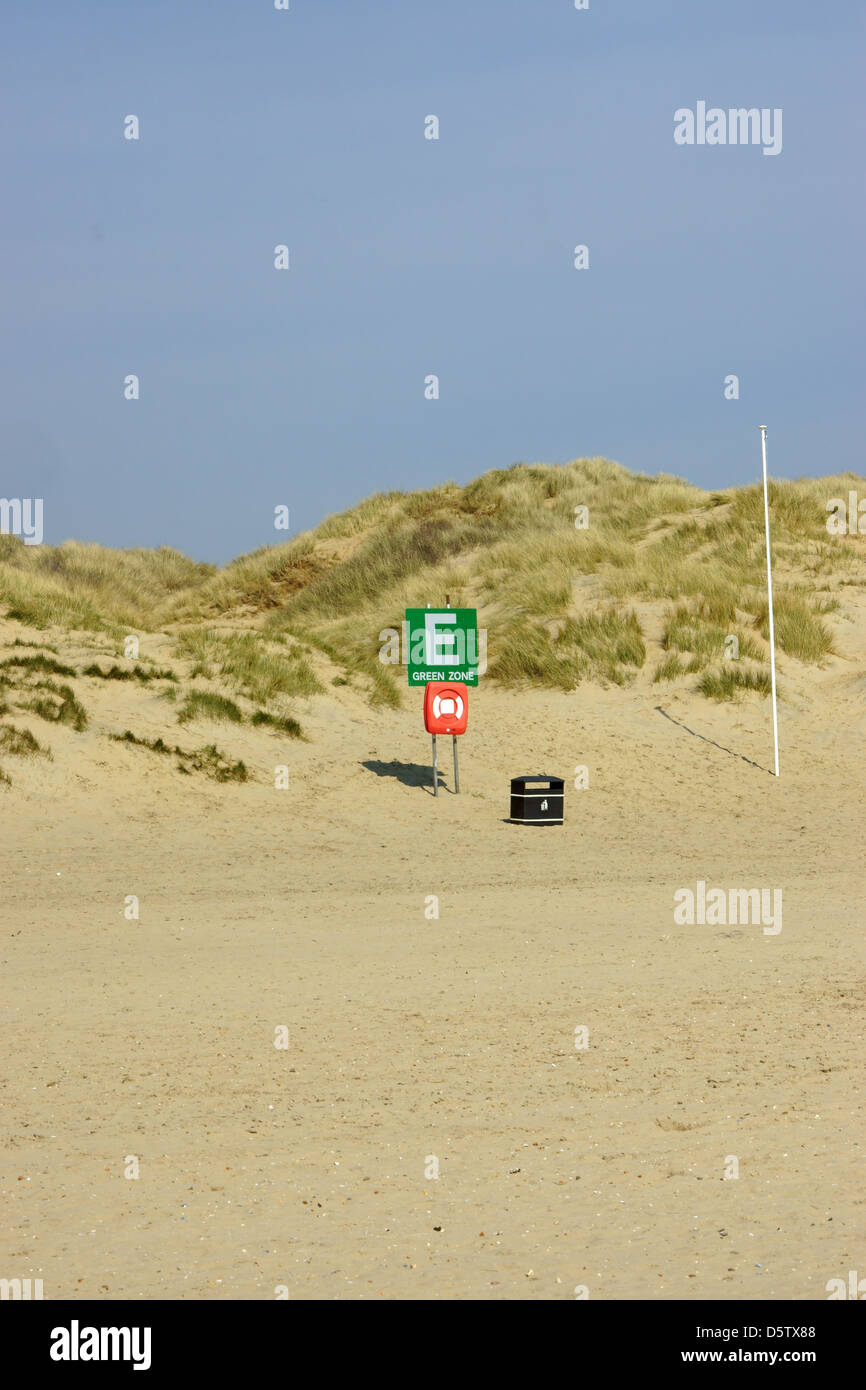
{"x": 507, "y": 539}
{"x": 731, "y": 681}
{"x": 57, "y": 704}
{"x": 282, "y": 724}
{"x": 610, "y": 639}
{"x": 526, "y": 656}
{"x": 798, "y": 628}
{"x": 20, "y": 742}
{"x": 260, "y": 580}
{"x": 40, "y": 646}
{"x": 255, "y": 667}
{"x": 92, "y": 587}
{"x": 37, "y": 663}
{"x": 208, "y": 760}
{"x": 603, "y": 645}
{"x": 703, "y": 631}
{"x": 135, "y": 673}
{"x": 45, "y": 604}
{"x": 670, "y": 668}
{"x": 507, "y": 544}
{"x": 205, "y": 704}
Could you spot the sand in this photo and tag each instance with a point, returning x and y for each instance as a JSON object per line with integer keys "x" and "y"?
{"x": 307, "y": 1171}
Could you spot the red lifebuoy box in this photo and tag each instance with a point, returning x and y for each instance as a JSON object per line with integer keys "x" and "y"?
{"x": 446, "y": 707}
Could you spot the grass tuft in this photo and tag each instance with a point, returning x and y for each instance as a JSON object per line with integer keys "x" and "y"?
{"x": 668, "y": 669}
{"x": 282, "y": 724}
{"x": 136, "y": 673}
{"x": 20, "y": 742}
{"x": 204, "y": 704}
{"x": 208, "y": 760}
{"x": 58, "y": 706}
{"x": 39, "y": 663}
{"x": 799, "y": 630}
{"x": 729, "y": 682}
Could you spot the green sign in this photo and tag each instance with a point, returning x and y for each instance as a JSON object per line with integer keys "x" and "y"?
{"x": 442, "y": 645}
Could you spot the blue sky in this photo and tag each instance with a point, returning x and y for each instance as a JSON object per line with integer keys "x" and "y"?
{"x": 411, "y": 256}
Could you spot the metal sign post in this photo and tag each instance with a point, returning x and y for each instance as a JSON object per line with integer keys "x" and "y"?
{"x": 446, "y": 711}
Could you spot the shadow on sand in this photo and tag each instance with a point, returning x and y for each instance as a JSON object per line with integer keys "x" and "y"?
{"x": 410, "y": 774}
{"x": 704, "y": 738}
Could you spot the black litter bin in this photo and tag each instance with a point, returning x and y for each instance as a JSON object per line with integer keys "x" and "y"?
{"x": 537, "y": 800}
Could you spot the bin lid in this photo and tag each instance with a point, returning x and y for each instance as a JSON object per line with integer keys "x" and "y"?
{"x": 539, "y": 777}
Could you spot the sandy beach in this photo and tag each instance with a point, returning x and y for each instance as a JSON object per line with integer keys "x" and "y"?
{"x": 418, "y": 1043}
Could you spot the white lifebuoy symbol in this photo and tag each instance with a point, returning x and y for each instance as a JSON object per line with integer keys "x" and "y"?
{"x": 447, "y": 704}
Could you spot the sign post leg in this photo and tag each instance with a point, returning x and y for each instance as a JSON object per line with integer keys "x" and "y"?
{"x": 435, "y": 769}
{"x": 456, "y": 769}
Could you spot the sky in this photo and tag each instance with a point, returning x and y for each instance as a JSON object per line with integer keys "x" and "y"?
{"x": 412, "y": 257}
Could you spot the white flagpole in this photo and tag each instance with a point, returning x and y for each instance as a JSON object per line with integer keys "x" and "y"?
{"x": 763, "y": 429}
